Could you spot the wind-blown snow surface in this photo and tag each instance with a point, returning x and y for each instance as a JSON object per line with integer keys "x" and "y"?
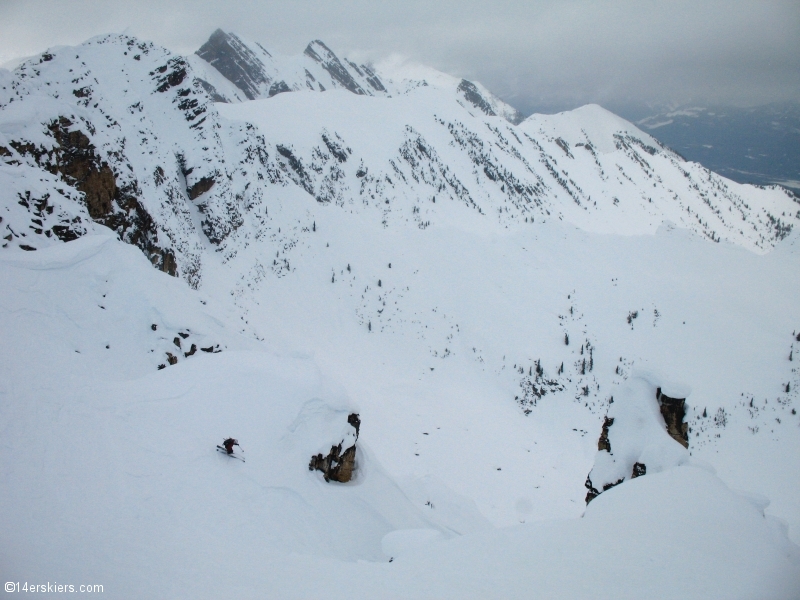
{"x": 480, "y": 349}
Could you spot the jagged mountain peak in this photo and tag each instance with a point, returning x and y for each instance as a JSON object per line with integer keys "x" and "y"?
{"x": 482, "y": 99}
{"x": 260, "y": 73}
{"x": 234, "y": 59}
{"x": 323, "y": 55}
{"x": 317, "y": 50}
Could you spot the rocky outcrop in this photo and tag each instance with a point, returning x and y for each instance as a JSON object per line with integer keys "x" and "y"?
{"x": 674, "y": 411}
{"x": 200, "y": 187}
{"x": 340, "y": 462}
{"x": 212, "y": 91}
{"x": 278, "y": 87}
{"x": 639, "y": 469}
{"x": 594, "y": 493}
{"x": 78, "y": 163}
{"x": 470, "y": 93}
{"x": 602, "y": 442}
{"x": 603, "y": 445}
{"x": 319, "y": 52}
{"x": 237, "y": 63}
{"x": 633, "y": 440}
{"x": 372, "y": 77}
{"x": 76, "y": 160}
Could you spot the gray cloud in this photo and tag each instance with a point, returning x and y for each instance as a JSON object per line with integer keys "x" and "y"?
{"x": 544, "y": 54}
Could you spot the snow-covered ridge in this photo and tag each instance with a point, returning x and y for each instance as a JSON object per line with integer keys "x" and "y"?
{"x": 124, "y": 133}
{"x": 406, "y": 75}
{"x": 256, "y": 72}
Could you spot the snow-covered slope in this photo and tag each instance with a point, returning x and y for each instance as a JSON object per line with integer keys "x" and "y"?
{"x": 104, "y": 453}
{"x": 485, "y": 296}
{"x": 433, "y": 156}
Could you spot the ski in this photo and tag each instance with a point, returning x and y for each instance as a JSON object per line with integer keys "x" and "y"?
{"x": 225, "y": 452}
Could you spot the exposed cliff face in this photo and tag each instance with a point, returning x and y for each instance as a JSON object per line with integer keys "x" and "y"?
{"x": 602, "y": 442}
{"x": 338, "y": 465}
{"x": 236, "y": 62}
{"x": 320, "y": 53}
{"x": 77, "y": 162}
{"x": 487, "y": 103}
{"x": 674, "y": 412}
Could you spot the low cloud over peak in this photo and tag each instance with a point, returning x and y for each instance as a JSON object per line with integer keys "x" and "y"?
{"x": 536, "y": 55}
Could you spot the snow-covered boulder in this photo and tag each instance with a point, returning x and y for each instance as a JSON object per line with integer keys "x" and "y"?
{"x": 340, "y": 462}
{"x": 328, "y": 432}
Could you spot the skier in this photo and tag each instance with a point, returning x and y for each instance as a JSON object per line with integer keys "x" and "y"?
{"x": 229, "y": 444}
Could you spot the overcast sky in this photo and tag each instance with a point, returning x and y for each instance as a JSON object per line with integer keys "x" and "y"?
{"x": 536, "y": 54}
